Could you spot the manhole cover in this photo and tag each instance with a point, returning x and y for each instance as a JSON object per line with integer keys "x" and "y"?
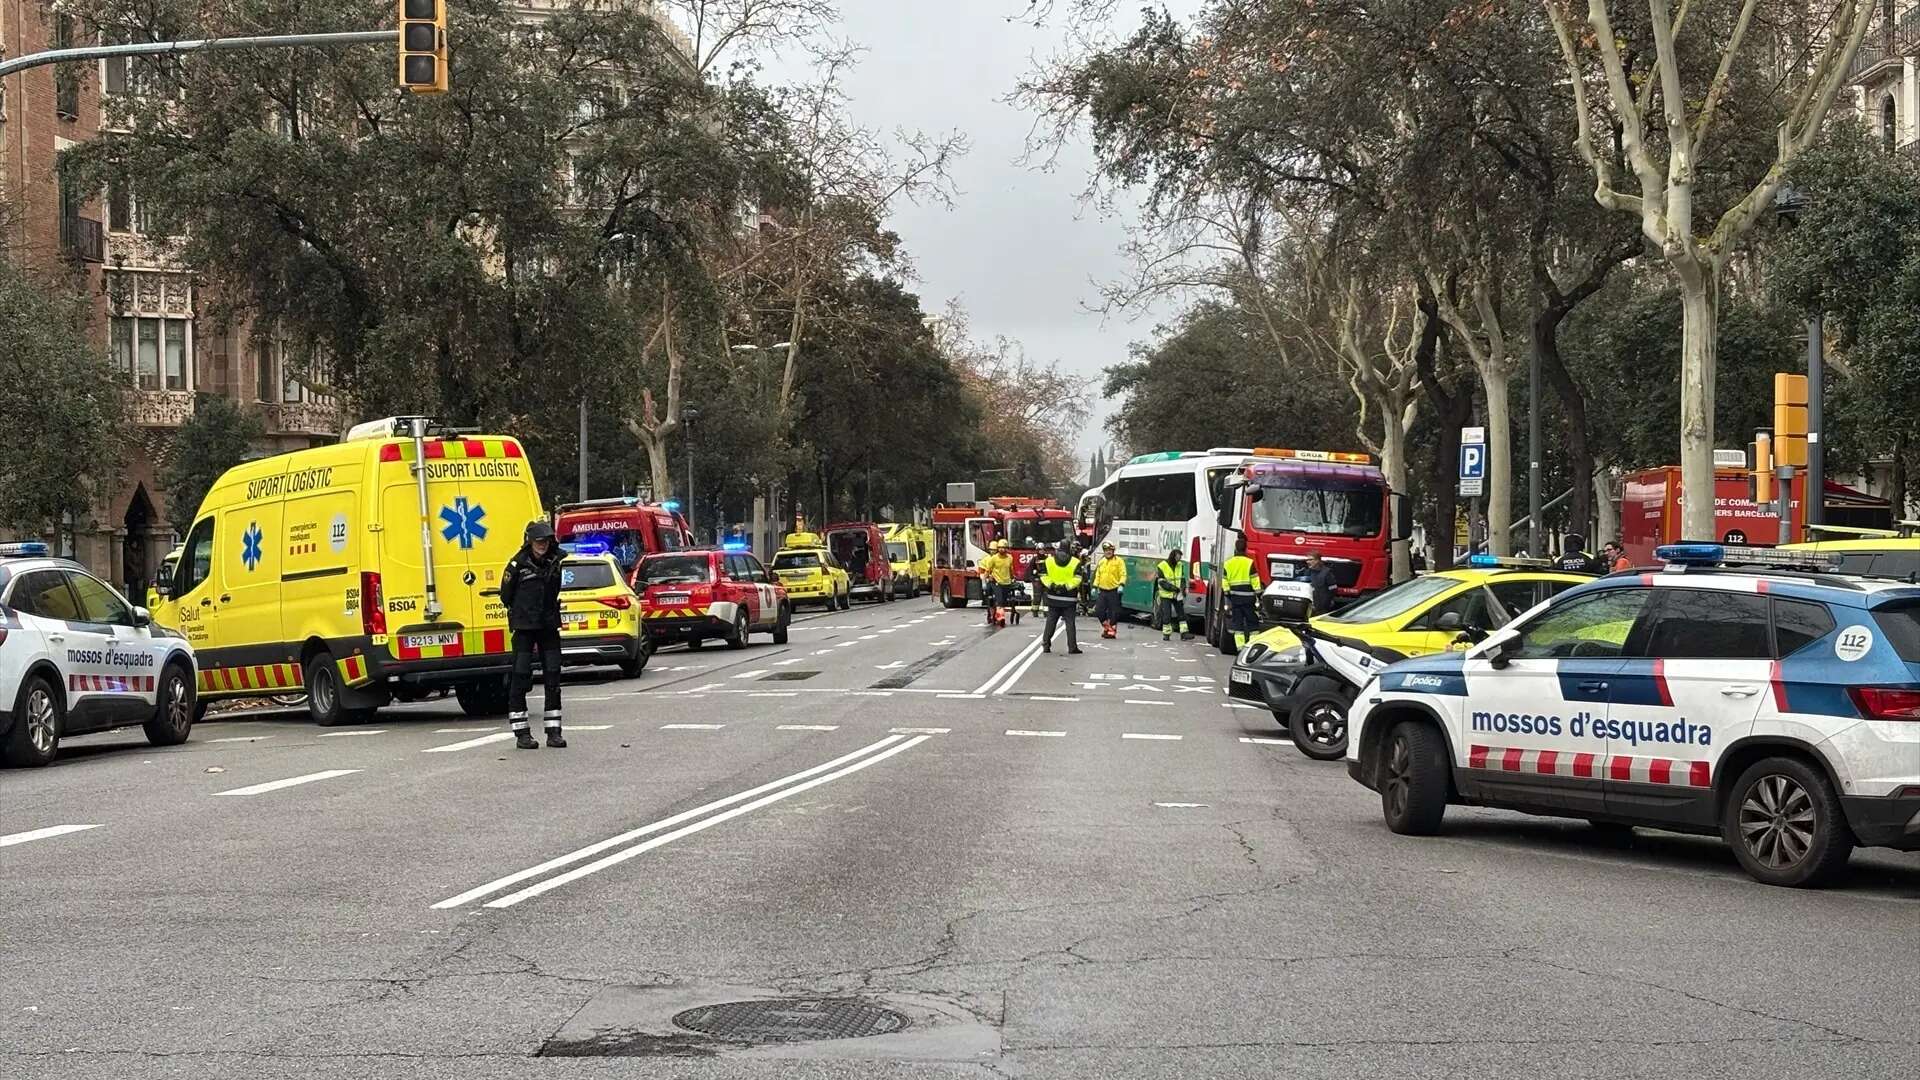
{"x": 788, "y": 676}
{"x": 785, "y": 1020}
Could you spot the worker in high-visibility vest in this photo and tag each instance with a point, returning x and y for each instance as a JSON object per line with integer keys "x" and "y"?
{"x": 1242, "y": 581}
{"x": 1060, "y": 580}
{"x": 996, "y": 579}
{"x": 1169, "y": 610}
{"x": 1109, "y": 577}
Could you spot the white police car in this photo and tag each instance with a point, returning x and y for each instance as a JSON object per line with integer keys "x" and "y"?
{"x": 76, "y": 657}
{"x": 1743, "y": 691}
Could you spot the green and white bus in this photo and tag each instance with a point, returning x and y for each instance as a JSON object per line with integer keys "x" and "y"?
{"x": 1163, "y": 502}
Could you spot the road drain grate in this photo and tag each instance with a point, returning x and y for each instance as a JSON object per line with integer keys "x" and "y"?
{"x": 787, "y": 1020}
{"x": 788, "y": 676}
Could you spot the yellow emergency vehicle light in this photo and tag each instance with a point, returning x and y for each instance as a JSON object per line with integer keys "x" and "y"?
{"x": 1339, "y": 456}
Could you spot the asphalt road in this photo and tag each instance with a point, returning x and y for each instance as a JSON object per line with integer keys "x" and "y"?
{"x": 1044, "y": 866}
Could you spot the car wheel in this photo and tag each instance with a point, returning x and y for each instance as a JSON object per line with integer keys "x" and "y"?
{"x": 1784, "y": 823}
{"x": 38, "y": 716}
{"x": 1319, "y": 726}
{"x": 323, "y": 691}
{"x": 642, "y": 652}
{"x": 173, "y": 710}
{"x": 737, "y": 637}
{"x": 846, "y": 599}
{"x": 486, "y": 697}
{"x": 780, "y": 628}
{"x": 1413, "y": 779}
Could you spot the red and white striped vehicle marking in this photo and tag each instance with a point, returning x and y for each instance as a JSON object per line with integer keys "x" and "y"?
{"x": 112, "y": 684}
{"x": 1638, "y": 770}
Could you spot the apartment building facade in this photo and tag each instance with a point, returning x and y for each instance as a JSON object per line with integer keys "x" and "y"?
{"x": 151, "y": 316}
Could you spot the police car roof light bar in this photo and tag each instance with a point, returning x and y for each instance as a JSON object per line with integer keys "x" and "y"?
{"x": 24, "y": 549}
{"x": 1705, "y": 554}
{"x": 595, "y": 546}
{"x": 1512, "y": 562}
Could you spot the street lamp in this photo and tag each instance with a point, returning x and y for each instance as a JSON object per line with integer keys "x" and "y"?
{"x": 688, "y": 414}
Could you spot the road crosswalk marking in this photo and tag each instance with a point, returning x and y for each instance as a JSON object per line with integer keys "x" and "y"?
{"x": 43, "y": 834}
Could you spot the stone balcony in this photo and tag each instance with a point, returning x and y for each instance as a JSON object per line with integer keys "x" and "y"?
{"x": 162, "y": 408}
{"x": 303, "y": 418}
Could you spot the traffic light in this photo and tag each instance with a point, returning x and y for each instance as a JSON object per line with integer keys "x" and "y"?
{"x": 1789, "y": 419}
{"x": 1761, "y": 451}
{"x": 423, "y": 46}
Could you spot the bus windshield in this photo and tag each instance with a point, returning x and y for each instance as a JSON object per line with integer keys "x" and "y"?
{"x": 1033, "y": 533}
{"x": 1319, "y": 505}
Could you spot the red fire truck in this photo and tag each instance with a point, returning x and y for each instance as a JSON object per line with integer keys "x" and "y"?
{"x": 1650, "y": 511}
{"x": 1292, "y": 503}
{"x": 630, "y": 528}
{"x": 961, "y": 533}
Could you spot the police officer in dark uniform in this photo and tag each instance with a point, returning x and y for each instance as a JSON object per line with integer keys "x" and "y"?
{"x": 530, "y": 589}
{"x": 1575, "y": 558}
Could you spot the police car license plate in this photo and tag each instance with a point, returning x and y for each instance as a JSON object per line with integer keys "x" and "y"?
{"x": 427, "y": 641}
{"x": 1242, "y": 677}
{"x": 568, "y": 618}
{"x": 671, "y": 598}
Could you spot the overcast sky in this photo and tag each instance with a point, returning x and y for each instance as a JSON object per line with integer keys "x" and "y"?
{"x": 1018, "y": 249}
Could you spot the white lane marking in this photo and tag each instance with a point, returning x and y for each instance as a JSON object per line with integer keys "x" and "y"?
{"x": 919, "y": 730}
{"x": 867, "y": 637}
{"x": 871, "y": 693}
{"x": 691, "y": 727}
{"x": 891, "y": 630}
{"x": 459, "y": 730}
{"x": 823, "y": 652}
{"x": 589, "y": 727}
{"x": 1237, "y": 705}
{"x": 291, "y": 781}
{"x": 350, "y": 734}
{"x": 1137, "y": 701}
{"x": 1038, "y": 734}
{"x": 644, "y": 830}
{"x": 775, "y": 693}
{"x": 1151, "y": 735}
{"x": 42, "y": 834}
{"x": 890, "y": 667}
{"x": 1265, "y": 742}
{"x": 468, "y": 744}
{"x": 789, "y": 660}
{"x": 808, "y": 727}
{"x": 754, "y": 674}
{"x": 643, "y": 847}
{"x": 697, "y": 689}
{"x": 1042, "y": 697}
{"x": 964, "y": 697}
{"x": 846, "y": 645}
{"x": 1181, "y": 805}
{"x": 241, "y": 738}
{"x": 1031, "y": 657}
{"x": 992, "y": 680}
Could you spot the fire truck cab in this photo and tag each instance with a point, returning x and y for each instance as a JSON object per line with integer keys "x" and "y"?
{"x": 1292, "y": 503}
{"x": 961, "y": 533}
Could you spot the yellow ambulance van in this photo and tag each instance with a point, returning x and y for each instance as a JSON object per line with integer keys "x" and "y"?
{"x": 365, "y": 572}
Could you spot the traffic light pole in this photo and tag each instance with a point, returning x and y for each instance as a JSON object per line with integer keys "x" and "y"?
{"x": 1815, "y": 498}
{"x": 169, "y": 48}
{"x": 1783, "y": 491}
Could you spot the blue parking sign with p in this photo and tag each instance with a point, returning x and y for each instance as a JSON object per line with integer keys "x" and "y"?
{"x": 1473, "y": 461}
